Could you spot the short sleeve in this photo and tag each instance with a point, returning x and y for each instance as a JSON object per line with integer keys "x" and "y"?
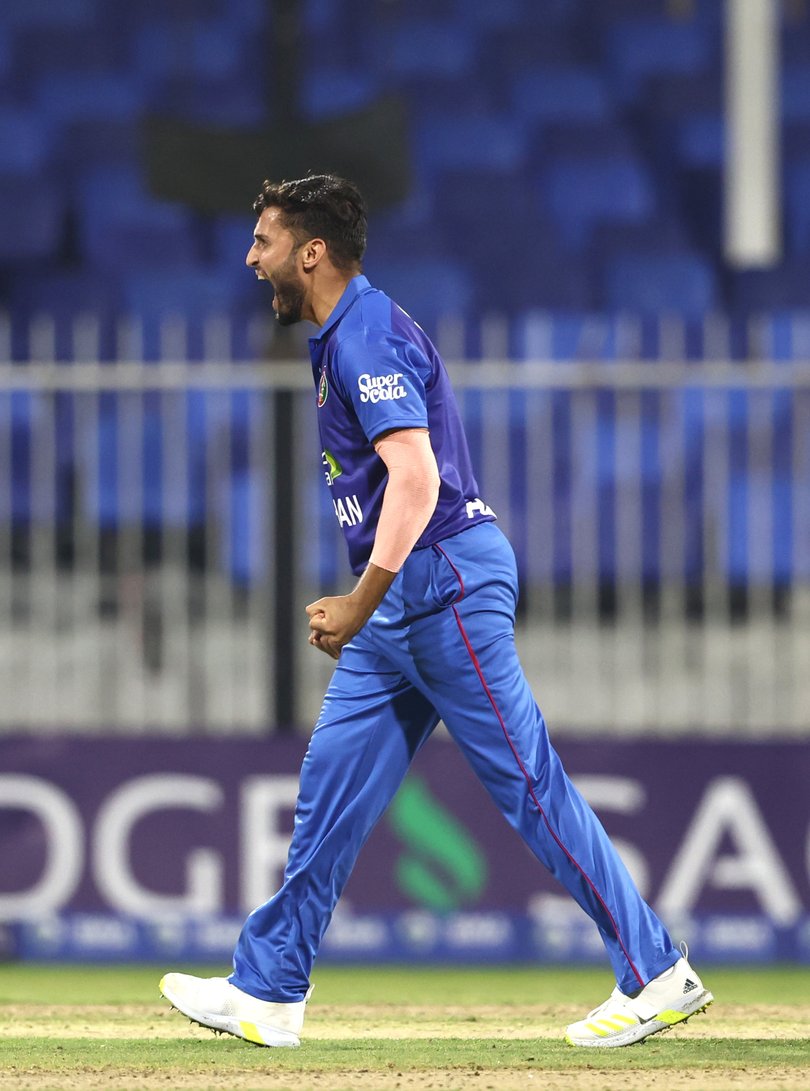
{"x": 384, "y": 379}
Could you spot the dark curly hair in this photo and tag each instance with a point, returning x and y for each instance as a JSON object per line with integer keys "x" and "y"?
{"x": 321, "y": 206}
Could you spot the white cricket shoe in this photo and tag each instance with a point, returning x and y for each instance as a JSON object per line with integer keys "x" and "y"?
{"x": 667, "y": 1000}
{"x": 214, "y": 1002}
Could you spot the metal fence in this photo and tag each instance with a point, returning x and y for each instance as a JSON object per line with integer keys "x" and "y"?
{"x": 162, "y": 527}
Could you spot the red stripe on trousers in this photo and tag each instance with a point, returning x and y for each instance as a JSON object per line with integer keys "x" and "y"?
{"x": 534, "y": 798}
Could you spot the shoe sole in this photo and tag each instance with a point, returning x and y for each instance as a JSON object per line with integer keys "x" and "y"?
{"x": 665, "y": 1020}
{"x": 260, "y": 1034}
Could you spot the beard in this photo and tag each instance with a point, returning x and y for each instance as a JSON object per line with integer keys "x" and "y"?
{"x": 289, "y": 294}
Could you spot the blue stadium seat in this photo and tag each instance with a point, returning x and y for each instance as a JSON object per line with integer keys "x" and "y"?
{"x": 533, "y": 270}
{"x": 797, "y": 206}
{"x": 120, "y": 225}
{"x": 69, "y": 299}
{"x": 67, "y": 13}
{"x": 795, "y": 96}
{"x": 660, "y": 282}
{"x": 5, "y": 54}
{"x": 575, "y": 139}
{"x": 423, "y": 47}
{"x": 232, "y": 238}
{"x": 585, "y": 190}
{"x": 215, "y": 48}
{"x": 426, "y": 288}
{"x": 189, "y": 295}
{"x": 25, "y": 141}
{"x": 329, "y": 91}
{"x": 757, "y": 291}
{"x": 561, "y": 93}
{"x": 700, "y": 140}
{"x": 32, "y": 215}
{"x": 242, "y": 504}
{"x": 43, "y": 50}
{"x": 222, "y": 102}
{"x": 674, "y": 94}
{"x": 794, "y": 41}
{"x": 487, "y": 18}
{"x": 665, "y": 232}
{"x": 509, "y": 49}
{"x": 472, "y": 140}
{"x": 636, "y": 49}
{"x": 19, "y": 412}
{"x": 71, "y": 95}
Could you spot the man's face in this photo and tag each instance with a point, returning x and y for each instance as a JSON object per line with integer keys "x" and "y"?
{"x": 274, "y": 257}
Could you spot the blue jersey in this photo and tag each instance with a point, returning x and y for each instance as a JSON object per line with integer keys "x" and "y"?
{"x": 376, "y": 371}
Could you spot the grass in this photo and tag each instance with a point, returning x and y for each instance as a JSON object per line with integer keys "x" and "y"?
{"x": 384, "y": 1027}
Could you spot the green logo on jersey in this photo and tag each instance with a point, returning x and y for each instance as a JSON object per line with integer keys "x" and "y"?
{"x": 333, "y": 467}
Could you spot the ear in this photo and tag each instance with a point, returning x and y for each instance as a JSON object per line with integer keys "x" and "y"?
{"x": 312, "y": 252}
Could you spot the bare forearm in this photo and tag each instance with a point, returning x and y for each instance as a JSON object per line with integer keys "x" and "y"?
{"x": 410, "y": 497}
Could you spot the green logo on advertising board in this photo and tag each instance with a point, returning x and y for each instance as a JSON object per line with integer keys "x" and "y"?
{"x": 441, "y": 867}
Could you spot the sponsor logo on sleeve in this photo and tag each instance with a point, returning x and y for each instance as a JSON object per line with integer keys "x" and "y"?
{"x": 381, "y": 388}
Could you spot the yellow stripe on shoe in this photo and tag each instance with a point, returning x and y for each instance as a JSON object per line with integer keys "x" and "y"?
{"x": 251, "y": 1032}
{"x": 594, "y": 1029}
{"x": 671, "y": 1017}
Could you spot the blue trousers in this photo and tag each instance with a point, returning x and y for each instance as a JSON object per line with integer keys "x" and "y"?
{"x": 439, "y": 646}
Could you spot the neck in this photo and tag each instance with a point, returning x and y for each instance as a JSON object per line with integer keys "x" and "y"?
{"x": 326, "y": 296}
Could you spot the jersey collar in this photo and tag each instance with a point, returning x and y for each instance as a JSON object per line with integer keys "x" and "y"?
{"x": 356, "y": 286}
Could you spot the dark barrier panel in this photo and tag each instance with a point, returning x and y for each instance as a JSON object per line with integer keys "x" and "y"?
{"x": 153, "y": 847}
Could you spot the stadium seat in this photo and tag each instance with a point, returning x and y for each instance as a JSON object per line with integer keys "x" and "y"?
{"x": 67, "y": 13}
{"x": 426, "y": 288}
{"x": 70, "y": 95}
{"x": 83, "y": 308}
{"x": 636, "y": 49}
{"x": 575, "y": 139}
{"x": 120, "y": 225}
{"x": 757, "y": 291}
{"x": 42, "y": 50}
{"x": 32, "y": 217}
{"x": 510, "y": 49}
{"x": 215, "y": 48}
{"x": 584, "y": 190}
{"x": 657, "y": 282}
{"x": 471, "y": 140}
{"x": 425, "y": 47}
{"x": 25, "y": 142}
{"x": 561, "y": 93}
{"x": 797, "y": 206}
{"x": 223, "y": 103}
{"x": 242, "y": 516}
{"x": 700, "y": 141}
{"x": 329, "y": 91}
{"x": 795, "y": 96}
{"x": 5, "y": 55}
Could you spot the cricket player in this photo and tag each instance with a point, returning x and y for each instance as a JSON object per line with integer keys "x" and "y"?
{"x": 427, "y": 633}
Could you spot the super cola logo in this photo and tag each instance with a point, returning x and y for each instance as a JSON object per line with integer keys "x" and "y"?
{"x": 381, "y": 388}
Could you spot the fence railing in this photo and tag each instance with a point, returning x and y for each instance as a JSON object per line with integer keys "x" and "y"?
{"x": 162, "y": 526}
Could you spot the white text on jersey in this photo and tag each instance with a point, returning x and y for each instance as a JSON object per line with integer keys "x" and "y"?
{"x": 348, "y": 510}
{"x": 381, "y": 388}
{"x": 478, "y": 507}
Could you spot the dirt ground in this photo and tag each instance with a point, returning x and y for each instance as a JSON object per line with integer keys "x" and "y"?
{"x": 766, "y": 1022}
{"x": 787, "y": 1079}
